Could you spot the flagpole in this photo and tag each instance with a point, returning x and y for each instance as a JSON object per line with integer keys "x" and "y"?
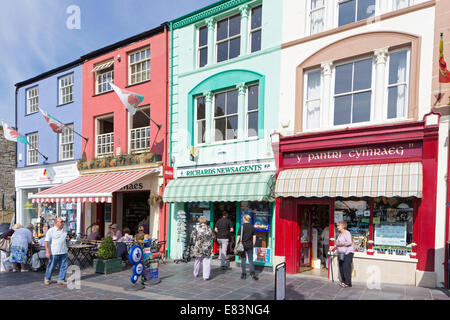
{"x": 77, "y": 133}
{"x": 37, "y": 151}
{"x": 158, "y": 125}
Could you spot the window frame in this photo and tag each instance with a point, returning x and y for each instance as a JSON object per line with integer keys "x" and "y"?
{"x": 100, "y": 73}
{"x": 228, "y": 39}
{"x": 225, "y": 116}
{"x": 310, "y": 12}
{"x": 28, "y": 98}
{"x": 61, "y": 88}
{"x": 333, "y": 95}
{"x": 61, "y": 144}
{"x": 97, "y": 133}
{"x": 199, "y": 48}
{"x": 131, "y": 127}
{"x": 196, "y": 121}
{"x": 305, "y": 99}
{"x": 251, "y": 31}
{"x": 34, "y": 151}
{"x": 338, "y": 2}
{"x": 247, "y": 90}
{"x": 144, "y": 61}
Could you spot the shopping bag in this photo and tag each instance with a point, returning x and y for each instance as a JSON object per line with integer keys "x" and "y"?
{"x": 5, "y": 245}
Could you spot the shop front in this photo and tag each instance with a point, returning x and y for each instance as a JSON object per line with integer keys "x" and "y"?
{"x": 32, "y": 180}
{"x": 381, "y": 180}
{"x": 237, "y": 189}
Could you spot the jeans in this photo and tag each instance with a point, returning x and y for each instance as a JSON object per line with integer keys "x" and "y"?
{"x": 249, "y": 254}
{"x": 206, "y": 267}
{"x": 223, "y": 252}
{"x": 345, "y": 269}
{"x": 57, "y": 259}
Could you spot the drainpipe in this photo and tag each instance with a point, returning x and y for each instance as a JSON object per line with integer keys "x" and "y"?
{"x": 447, "y": 213}
{"x": 15, "y": 125}
{"x": 166, "y": 120}
{"x": 170, "y": 128}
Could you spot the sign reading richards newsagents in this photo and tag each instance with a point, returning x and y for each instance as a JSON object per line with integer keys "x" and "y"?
{"x": 230, "y": 169}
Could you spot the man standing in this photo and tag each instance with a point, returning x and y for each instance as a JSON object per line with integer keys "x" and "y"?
{"x": 223, "y": 229}
{"x": 56, "y": 252}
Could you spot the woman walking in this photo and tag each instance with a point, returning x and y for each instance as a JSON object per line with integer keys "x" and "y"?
{"x": 201, "y": 238}
{"x": 248, "y": 241}
{"x": 345, "y": 251}
{"x": 20, "y": 240}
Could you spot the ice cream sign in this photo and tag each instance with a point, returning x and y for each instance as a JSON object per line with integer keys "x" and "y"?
{"x": 378, "y": 152}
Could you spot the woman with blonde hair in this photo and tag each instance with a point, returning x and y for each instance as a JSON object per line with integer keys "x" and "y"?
{"x": 344, "y": 244}
{"x": 201, "y": 238}
{"x": 20, "y": 240}
{"x": 95, "y": 234}
{"x": 247, "y": 234}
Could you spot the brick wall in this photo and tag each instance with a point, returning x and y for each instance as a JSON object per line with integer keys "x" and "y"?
{"x": 7, "y": 166}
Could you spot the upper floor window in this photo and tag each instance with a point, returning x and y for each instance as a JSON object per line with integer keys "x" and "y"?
{"x": 256, "y": 29}
{"x": 33, "y": 100}
{"x": 398, "y": 84}
{"x": 66, "y": 143}
{"x": 32, "y": 146}
{"x": 139, "y": 66}
{"x": 226, "y": 115}
{"x": 252, "y": 110}
{"x": 355, "y": 10}
{"x": 200, "y": 117}
{"x": 105, "y": 135}
{"x": 317, "y": 16}
{"x": 140, "y": 130}
{"x": 228, "y": 38}
{"x": 66, "y": 89}
{"x": 313, "y": 99}
{"x": 104, "y": 73}
{"x": 202, "y": 46}
{"x": 400, "y": 4}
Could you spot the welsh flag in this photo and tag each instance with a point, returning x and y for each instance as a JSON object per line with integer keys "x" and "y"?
{"x": 56, "y": 125}
{"x": 444, "y": 74}
{"x": 13, "y": 135}
{"x": 130, "y": 100}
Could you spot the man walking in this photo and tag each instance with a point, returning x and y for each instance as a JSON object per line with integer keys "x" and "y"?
{"x": 223, "y": 229}
{"x": 56, "y": 252}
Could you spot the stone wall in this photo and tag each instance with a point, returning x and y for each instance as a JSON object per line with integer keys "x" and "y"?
{"x": 7, "y": 166}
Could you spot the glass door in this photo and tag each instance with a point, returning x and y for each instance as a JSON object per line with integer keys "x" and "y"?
{"x": 304, "y": 222}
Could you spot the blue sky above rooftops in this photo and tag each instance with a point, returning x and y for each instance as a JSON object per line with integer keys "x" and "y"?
{"x": 35, "y": 38}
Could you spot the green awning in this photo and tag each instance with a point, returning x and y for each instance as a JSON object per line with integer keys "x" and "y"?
{"x": 239, "y": 187}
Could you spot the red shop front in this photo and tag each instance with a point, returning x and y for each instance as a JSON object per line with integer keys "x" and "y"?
{"x": 380, "y": 179}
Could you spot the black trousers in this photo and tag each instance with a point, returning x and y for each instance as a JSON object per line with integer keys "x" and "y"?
{"x": 345, "y": 269}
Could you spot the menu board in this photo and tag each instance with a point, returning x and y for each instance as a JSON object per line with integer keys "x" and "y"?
{"x": 391, "y": 234}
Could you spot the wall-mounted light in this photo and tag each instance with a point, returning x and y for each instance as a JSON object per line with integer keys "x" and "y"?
{"x": 118, "y": 57}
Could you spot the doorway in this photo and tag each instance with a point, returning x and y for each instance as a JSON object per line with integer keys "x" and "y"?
{"x": 136, "y": 210}
{"x": 218, "y": 209}
{"x": 313, "y": 222}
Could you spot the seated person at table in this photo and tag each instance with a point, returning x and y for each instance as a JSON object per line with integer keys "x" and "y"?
{"x": 124, "y": 244}
{"x": 114, "y": 233}
{"x": 140, "y": 235}
{"x": 35, "y": 258}
{"x": 95, "y": 235}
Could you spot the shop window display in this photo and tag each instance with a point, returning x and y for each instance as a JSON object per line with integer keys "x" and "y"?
{"x": 393, "y": 225}
{"x": 356, "y": 212}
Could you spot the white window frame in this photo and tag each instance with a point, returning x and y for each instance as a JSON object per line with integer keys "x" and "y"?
{"x": 66, "y": 141}
{"x": 97, "y": 133}
{"x": 141, "y": 62}
{"x": 333, "y": 95}
{"x": 247, "y": 92}
{"x": 305, "y": 99}
{"x": 309, "y": 19}
{"x": 32, "y": 154}
{"x": 64, "y": 88}
{"x": 32, "y": 100}
{"x": 396, "y": 7}
{"x": 197, "y": 121}
{"x": 214, "y": 118}
{"x": 130, "y": 128}
{"x": 217, "y": 43}
{"x": 336, "y": 20}
{"x": 251, "y": 31}
{"x": 100, "y": 73}
{"x": 386, "y": 81}
{"x": 199, "y": 48}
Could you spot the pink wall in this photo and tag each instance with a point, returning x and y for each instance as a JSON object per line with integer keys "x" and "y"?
{"x": 155, "y": 94}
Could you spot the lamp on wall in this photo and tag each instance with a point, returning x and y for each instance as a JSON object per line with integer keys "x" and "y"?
{"x": 119, "y": 58}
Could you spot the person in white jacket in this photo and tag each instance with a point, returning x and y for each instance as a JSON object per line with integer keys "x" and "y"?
{"x": 325, "y": 236}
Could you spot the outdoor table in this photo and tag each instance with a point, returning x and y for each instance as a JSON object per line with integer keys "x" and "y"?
{"x": 78, "y": 254}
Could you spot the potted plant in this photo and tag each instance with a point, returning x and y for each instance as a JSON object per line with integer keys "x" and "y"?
{"x": 107, "y": 261}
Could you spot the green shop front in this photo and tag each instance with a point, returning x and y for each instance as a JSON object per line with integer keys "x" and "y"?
{"x": 209, "y": 191}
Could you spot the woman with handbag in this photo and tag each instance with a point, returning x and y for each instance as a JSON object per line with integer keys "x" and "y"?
{"x": 5, "y": 249}
{"x": 246, "y": 240}
{"x": 345, "y": 252}
{"x": 202, "y": 237}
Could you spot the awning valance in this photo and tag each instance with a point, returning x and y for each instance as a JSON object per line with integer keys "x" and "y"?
{"x": 102, "y": 66}
{"x": 376, "y": 180}
{"x": 240, "y": 187}
{"x": 91, "y": 188}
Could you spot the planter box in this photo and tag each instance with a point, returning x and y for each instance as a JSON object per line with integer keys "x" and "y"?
{"x": 107, "y": 266}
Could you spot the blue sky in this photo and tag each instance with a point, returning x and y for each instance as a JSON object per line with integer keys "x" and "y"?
{"x": 34, "y": 36}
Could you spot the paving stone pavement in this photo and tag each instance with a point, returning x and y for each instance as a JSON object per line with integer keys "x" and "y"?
{"x": 178, "y": 283}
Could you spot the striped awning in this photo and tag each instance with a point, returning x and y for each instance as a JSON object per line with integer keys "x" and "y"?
{"x": 91, "y": 188}
{"x": 102, "y": 66}
{"x": 240, "y": 187}
{"x": 377, "y": 180}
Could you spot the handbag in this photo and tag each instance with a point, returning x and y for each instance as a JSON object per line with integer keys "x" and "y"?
{"x": 5, "y": 245}
{"x": 239, "y": 249}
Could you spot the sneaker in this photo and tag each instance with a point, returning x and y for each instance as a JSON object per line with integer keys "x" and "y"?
{"x": 62, "y": 282}
{"x": 46, "y": 282}
{"x": 14, "y": 270}
{"x": 24, "y": 270}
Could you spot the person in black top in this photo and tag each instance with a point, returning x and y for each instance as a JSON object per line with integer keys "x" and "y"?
{"x": 223, "y": 229}
{"x": 248, "y": 241}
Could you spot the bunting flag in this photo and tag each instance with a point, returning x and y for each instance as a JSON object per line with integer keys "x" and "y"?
{"x": 13, "y": 135}
{"x": 444, "y": 74}
{"x": 56, "y": 125}
{"x": 130, "y": 100}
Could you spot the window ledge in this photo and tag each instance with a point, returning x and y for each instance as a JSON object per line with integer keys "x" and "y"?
{"x": 64, "y": 104}
{"x": 226, "y": 142}
{"x": 388, "y": 257}
{"x": 138, "y": 83}
{"x": 99, "y": 94}
{"x": 30, "y": 114}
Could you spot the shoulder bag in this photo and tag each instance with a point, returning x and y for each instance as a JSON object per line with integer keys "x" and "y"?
{"x": 239, "y": 249}
{"x": 5, "y": 245}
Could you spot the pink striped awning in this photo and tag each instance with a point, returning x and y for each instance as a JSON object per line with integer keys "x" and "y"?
{"x": 91, "y": 188}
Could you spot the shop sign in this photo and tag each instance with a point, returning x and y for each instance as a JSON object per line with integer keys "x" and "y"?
{"x": 45, "y": 175}
{"x": 220, "y": 170}
{"x": 375, "y": 152}
{"x": 168, "y": 173}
